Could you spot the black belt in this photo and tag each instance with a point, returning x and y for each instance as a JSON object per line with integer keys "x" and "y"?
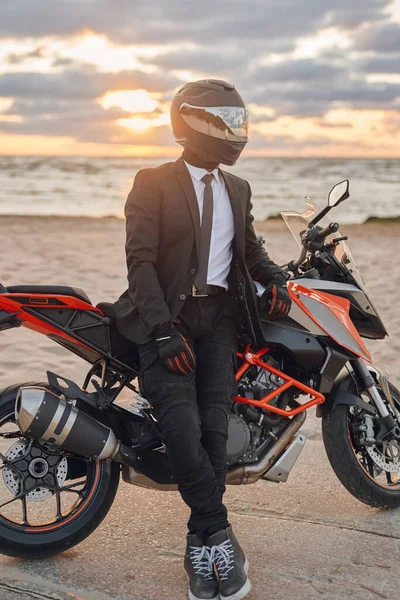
{"x": 207, "y": 290}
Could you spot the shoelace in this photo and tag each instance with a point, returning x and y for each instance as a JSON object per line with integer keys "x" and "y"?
{"x": 223, "y": 557}
{"x": 201, "y": 561}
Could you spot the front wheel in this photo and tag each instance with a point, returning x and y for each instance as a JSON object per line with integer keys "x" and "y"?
{"x": 370, "y": 471}
{"x": 50, "y": 500}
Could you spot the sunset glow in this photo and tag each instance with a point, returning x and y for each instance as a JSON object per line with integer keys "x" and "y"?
{"x": 327, "y": 83}
{"x": 141, "y": 124}
{"x": 130, "y": 100}
{"x": 136, "y": 123}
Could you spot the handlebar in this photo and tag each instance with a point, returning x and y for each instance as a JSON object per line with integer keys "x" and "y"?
{"x": 316, "y": 236}
{"x": 331, "y": 228}
{"x": 294, "y": 264}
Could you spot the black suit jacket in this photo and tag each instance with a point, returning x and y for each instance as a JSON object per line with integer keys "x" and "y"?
{"x": 162, "y": 239}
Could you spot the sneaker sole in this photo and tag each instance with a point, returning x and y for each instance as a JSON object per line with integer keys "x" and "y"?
{"x": 193, "y": 597}
{"x": 243, "y": 590}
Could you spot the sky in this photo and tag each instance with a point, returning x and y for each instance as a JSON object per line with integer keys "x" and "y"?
{"x": 95, "y": 77}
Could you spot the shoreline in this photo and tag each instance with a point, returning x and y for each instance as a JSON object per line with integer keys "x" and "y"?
{"x": 274, "y": 222}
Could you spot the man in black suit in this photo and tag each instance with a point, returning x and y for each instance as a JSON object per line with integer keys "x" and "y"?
{"x": 192, "y": 255}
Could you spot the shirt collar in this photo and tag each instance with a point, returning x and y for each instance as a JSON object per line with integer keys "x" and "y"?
{"x": 198, "y": 173}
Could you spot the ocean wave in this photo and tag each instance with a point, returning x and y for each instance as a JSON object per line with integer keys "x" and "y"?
{"x": 98, "y": 187}
{"x": 376, "y": 219}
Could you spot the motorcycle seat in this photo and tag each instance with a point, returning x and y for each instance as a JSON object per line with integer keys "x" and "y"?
{"x": 59, "y": 290}
{"x": 107, "y": 308}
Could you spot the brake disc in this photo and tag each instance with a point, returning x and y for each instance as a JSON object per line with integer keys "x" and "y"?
{"x": 388, "y": 459}
{"x": 35, "y": 466}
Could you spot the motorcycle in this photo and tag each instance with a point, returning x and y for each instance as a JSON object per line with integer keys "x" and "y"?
{"x": 63, "y": 448}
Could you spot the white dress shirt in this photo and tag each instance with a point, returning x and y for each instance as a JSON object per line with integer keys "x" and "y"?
{"x": 223, "y": 230}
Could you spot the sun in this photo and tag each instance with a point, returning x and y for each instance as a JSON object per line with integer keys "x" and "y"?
{"x": 137, "y": 102}
{"x": 142, "y": 124}
{"x": 136, "y": 123}
{"x": 132, "y": 101}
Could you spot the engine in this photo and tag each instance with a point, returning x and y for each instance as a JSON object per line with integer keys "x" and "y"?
{"x": 252, "y": 430}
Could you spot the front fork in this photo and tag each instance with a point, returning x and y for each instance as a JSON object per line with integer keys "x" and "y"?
{"x": 368, "y": 384}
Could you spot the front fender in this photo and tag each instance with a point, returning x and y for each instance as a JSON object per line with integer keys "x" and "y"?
{"x": 343, "y": 392}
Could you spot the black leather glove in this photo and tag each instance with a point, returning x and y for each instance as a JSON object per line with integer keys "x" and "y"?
{"x": 174, "y": 349}
{"x": 275, "y": 302}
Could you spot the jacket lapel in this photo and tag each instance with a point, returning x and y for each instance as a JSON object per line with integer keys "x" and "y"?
{"x": 237, "y": 210}
{"x": 185, "y": 180}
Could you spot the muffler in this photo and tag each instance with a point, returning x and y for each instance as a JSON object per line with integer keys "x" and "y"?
{"x": 44, "y": 416}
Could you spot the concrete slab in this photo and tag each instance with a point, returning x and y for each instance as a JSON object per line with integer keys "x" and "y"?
{"x": 305, "y": 539}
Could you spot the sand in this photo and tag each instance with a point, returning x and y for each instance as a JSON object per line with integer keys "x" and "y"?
{"x": 305, "y": 539}
{"x": 89, "y": 253}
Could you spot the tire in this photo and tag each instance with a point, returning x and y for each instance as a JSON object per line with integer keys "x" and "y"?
{"x": 343, "y": 459}
{"x": 41, "y": 541}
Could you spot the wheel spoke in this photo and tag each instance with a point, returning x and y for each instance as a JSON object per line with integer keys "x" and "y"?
{"x": 371, "y": 466}
{"x": 31, "y": 514}
{"x": 79, "y": 492}
{"x": 72, "y": 485}
{"x": 389, "y": 451}
{"x": 9, "y": 465}
{"x": 17, "y": 497}
{"x": 24, "y": 510}
{"x": 58, "y": 501}
{"x": 11, "y": 434}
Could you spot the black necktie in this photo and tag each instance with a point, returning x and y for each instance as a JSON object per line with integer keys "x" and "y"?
{"x": 205, "y": 233}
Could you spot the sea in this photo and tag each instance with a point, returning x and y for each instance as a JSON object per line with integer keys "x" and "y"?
{"x": 98, "y": 187}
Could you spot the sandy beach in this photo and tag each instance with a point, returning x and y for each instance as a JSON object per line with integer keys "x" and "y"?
{"x": 89, "y": 253}
{"x": 306, "y": 539}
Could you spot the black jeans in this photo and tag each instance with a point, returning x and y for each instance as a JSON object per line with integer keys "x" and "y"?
{"x": 192, "y": 410}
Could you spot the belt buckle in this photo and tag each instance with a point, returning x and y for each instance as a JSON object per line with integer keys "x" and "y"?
{"x": 196, "y": 294}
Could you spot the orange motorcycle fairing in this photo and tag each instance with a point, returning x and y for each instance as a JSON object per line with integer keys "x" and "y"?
{"x": 73, "y": 323}
{"x": 331, "y": 314}
{"x": 18, "y": 302}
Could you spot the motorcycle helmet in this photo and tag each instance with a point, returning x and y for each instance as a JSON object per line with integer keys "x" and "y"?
{"x": 209, "y": 118}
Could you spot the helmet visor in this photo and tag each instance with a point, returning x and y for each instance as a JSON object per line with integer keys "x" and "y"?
{"x": 223, "y": 122}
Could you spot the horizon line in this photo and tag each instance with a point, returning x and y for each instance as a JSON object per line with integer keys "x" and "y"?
{"x": 168, "y": 156}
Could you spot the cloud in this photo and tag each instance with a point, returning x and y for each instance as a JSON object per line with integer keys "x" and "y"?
{"x": 216, "y": 59}
{"x": 17, "y": 58}
{"x": 301, "y": 71}
{"x": 379, "y": 38}
{"x": 317, "y": 100}
{"x": 308, "y": 87}
{"x": 382, "y": 64}
{"x": 80, "y": 82}
{"x": 173, "y": 21}
{"x": 66, "y": 103}
{"x": 86, "y": 122}
{"x": 252, "y": 43}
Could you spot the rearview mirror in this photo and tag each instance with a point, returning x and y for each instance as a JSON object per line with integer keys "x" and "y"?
{"x": 338, "y": 193}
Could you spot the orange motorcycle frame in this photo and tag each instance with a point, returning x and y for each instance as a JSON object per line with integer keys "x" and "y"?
{"x": 254, "y": 359}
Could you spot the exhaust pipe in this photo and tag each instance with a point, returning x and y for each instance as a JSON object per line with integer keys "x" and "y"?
{"x": 44, "y": 416}
{"x": 252, "y": 473}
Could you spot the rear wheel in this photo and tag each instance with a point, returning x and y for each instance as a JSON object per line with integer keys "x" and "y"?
{"x": 369, "y": 470}
{"x": 50, "y": 500}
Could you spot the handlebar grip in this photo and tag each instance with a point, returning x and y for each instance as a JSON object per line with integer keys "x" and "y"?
{"x": 332, "y": 228}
